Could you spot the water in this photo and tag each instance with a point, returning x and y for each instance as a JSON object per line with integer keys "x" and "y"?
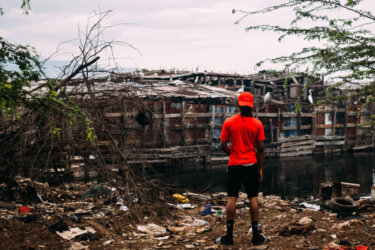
{"x": 293, "y": 177}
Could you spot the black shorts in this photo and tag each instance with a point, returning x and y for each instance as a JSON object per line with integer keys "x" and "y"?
{"x": 248, "y": 175}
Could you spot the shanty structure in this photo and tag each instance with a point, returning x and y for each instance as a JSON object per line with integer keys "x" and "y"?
{"x": 172, "y": 122}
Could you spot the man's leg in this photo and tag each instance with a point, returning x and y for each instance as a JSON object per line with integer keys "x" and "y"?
{"x": 254, "y": 213}
{"x": 251, "y": 185}
{"x": 233, "y": 188}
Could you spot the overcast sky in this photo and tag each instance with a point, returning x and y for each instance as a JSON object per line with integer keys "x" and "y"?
{"x": 168, "y": 33}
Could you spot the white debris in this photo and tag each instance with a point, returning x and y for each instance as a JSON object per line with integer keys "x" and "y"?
{"x": 309, "y": 205}
{"x": 71, "y": 233}
{"x": 108, "y": 242}
{"x": 152, "y": 229}
{"x": 124, "y": 208}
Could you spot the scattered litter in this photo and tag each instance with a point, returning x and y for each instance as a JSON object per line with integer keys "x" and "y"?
{"x": 124, "y": 208}
{"x": 75, "y": 218}
{"x": 207, "y": 210}
{"x": 189, "y": 246}
{"x": 59, "y": 226}
{"x": 96, "y": 191}
{"x": 108, "y": 242}
{"x": 71, "y": 233}
{"x": 181, "y": 198}
{"x": 162, "y": 238}
{"x": 78, "y": 246}
{"x": 152, "y": 229}
{"x": 24, "y": 209}
{"x": 309, "y": 205}
{"x": 82, "y": 211}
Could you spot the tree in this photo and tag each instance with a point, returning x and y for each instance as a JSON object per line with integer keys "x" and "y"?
{"x": 347, "y": 45}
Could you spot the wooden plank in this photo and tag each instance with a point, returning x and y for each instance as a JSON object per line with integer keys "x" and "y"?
{"x": 329, "y": 143}
{"x": 296, "y": 149}
{"x": 297, "y": 143}
{"x": 296, "y": 138}
{"x": 298, "y": 153}
{"x": 334, "y": 121}
{"x": 183, "y": 123}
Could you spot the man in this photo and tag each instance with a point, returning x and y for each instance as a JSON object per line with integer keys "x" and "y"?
{"x": 245, "y": 164}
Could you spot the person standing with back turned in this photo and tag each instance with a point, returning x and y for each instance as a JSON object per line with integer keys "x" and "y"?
{"x": 245, "y": 165}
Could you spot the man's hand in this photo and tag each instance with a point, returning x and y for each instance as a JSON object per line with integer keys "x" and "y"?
{"x": 224, "y": 147}
{"x": 260, "y": 175}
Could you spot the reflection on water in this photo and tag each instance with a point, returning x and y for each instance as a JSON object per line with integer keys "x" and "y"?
{"x": 293, "y": 177}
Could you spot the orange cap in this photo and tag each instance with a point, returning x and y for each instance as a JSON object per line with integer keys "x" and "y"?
{"x": 245, "y": 99}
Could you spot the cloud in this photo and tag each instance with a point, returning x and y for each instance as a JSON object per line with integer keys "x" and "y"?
{"x": 169, "y": 33}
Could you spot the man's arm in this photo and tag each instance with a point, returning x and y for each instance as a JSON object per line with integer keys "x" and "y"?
{"x": 224, "y": 147}
{"x": 260, "y": 158}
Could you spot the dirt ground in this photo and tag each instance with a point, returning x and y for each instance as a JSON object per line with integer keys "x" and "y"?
{"x": 108, "y": 225}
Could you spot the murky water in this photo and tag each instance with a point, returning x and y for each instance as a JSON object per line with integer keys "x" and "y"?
{"x": 293, "y": 177}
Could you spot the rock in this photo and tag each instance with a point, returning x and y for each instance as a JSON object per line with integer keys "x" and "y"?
{"x": 305, "y": 221}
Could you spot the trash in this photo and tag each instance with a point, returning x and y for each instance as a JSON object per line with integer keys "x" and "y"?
{"x": 182, "y": 206}
{"x": 309, "y": 205}
{"x": 181, "y": 198}
{"x": 296, "y": 230}
{"x": 350, "y": 189}
{"x": 124, "y": 208}
{"x": 82, "y": 211}
{"x": 198, "y": 196}
{"x": 207, "y": 210}
{"x": 199, "y": 222}
{"x": 343, "y": 204}
{"x": 152, "y": 229}
{"x": 305, "y": 221}
{"x": 162, "y": 238}
{"x": 240, "y": 204}
{"x": 24, "y": 209}
{"x": 90, "y": 230}
{"x": 75, "y": 218}
{"x": 185, "y": 206}
{"x": 96, "y": 191}
{"x": 334, "y": 236}
{"x": 361, "y": 248}
{"x": 219, "y": 213}
{"x": 340, "y": 226}
{"x": 29, "y": 218}
{"x": 200, "y": 230}
{"x": 189, "y": 246}
{"x": 78, "y": 246}
{"x": 71, "y": 233}
{"x": 108, "y": 242}
{"x": 60, "y": 226}
{"x": 177, "y": 230}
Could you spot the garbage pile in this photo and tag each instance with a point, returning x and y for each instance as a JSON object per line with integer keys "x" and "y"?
{"x": 84, "y": 216}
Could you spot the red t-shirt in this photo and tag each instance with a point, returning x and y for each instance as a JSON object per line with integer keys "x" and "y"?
{"x": 243, "y": 133}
